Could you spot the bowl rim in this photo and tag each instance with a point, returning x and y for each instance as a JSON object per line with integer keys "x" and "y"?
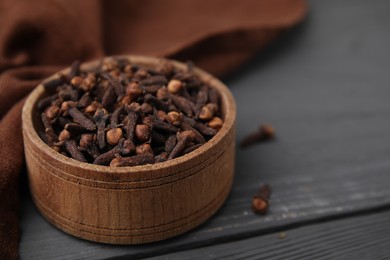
{"x": 227, "y": 100}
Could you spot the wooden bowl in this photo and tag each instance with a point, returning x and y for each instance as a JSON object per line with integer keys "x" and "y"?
{"x": 131, "y": 205}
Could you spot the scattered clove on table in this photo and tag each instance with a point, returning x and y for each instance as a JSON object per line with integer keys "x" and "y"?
{"x": 264, "y": 133}
{"x": 260, "y": 201}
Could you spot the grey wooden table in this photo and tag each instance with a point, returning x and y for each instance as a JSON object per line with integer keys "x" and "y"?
{"x": 325, "y": 87}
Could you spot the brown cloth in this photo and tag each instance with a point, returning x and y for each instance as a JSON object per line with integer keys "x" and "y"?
{"x": 37, "y": 38}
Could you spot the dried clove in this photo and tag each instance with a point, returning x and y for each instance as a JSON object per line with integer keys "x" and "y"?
{"x": 100, "y": 119}
{"x": 162, "y": 93}
{"x": 114, "y": 134}
{"x": 142, "y": 132}
{"x": 162, "y": 157}
{"x": 68, "y": 93}
{"x": 71, "y": 147}
{"x": 191, "y": 148}
{"x": 127, "y": 148}
{"x": 105, "y": 158}
{"x": 202, "y": 96}
{"x": 161, "y": 115}
{"x": 146, "y": 108}
{"x": 154, "y": 80}
{"x": 215, "y": 123}
{"x": 115, "y": 85}
{"x": 52, "y": 112}
{"x": 74, "y": 70}
{"x": 170, "y": 143}
{"x": 184, "y": 139}
{"x": 75, "y": 129}
{"x": 183, "y": 104}
{"x": 86, "y": 140}
{"x": 109, "y": 97}
{"x": 260, "y": 202}
{"x": 85, "y": 100}
{"x": 202, "y": 128}
{"x": 198, "y": 136}
{"x": 45, "y": 102}
{"x": 129, "y": 127}
{"x": 174, "y": 118}
{"x": 213, "y": 96}
{"x": 64, "y": 135}
{"x": 205, "y": 113}
{"x": 264, "y": 133}
{"x": 157, "y": 102}
{"x": 51, "y": 85}
{"x": 135, "y": 160}
{"x": 133, "y": 91}
{"x": 164, "y": 126}
{"x": 174, "y": 86}
{"x": 91, "y": 108}
{"x": 81, "y": 119}
{"x": 50, "y": 134}
{"x": 143, "y": 149}
{"x": 63, "y": 121}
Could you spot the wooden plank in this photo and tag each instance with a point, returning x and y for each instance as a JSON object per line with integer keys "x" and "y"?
{"x": 363, "y": 237}
{"x": 325, "y": 88}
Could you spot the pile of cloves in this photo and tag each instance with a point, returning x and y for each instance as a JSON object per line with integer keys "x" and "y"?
{"x": 124, "y": 114}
